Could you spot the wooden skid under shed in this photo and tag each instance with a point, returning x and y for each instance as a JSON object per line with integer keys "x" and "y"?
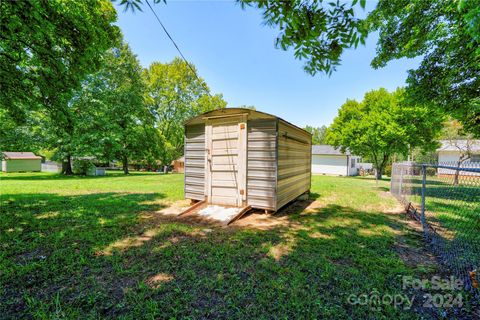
{"x": 240, "y": 214}
{"x": 193, "y": 207}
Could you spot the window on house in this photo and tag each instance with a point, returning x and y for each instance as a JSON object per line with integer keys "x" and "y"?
{"x": 475, "y": 158}
{"x": 352, "y": 163}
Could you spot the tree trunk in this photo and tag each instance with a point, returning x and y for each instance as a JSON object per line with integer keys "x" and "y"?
{"x": 380, "y": 167}
{"x": 461, "y": 160}
{"x": 67, "y": 166}
{"x": 125, "y": 165}
{"x": 457, "y": 173}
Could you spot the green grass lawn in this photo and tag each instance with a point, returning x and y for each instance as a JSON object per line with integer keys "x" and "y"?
{"x": 91, "y": 247}
{"x": 454, "y": 207}
{"x": 454, "y": 212}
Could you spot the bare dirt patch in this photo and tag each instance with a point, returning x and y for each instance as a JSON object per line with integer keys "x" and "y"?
{"x": 279, "y": 250}
{"x": 157, "y": 280}
{"x": 409, "y": 243}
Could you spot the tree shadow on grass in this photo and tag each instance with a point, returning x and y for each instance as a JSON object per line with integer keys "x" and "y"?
{"x": 48, "y": 240}
{"x": 100, "y": 263}
{"x": 308, "y": 268}
{"x": 30, "y": 176}
{"x": 314, "y": 195}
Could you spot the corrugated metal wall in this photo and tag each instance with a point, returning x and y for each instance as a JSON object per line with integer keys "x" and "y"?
{"x": 278, "y": 161}
{"x": 195, "y": 162}
{"x": 261, "y": 163}
{"x": 294, "y": 163}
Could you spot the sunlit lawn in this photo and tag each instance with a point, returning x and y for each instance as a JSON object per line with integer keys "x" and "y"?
{"x": 453, "y": 212}
{"x": 74, "y": 247}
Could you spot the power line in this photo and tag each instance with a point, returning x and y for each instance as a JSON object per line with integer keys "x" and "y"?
{"x": 178, "y": 49}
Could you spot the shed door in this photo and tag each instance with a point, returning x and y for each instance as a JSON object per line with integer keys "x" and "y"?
{"x": 226, "y": 157}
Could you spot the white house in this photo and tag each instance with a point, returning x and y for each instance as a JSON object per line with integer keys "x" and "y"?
{"x": 455, "y": 152}
{"x": 328, "y": 160}
{"x": 452, "y": 151}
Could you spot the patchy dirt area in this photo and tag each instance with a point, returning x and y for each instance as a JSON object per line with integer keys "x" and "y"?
{"x": 124, "y": 254}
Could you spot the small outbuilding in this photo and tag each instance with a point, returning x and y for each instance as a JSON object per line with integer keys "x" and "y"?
{"x": 21, "y": 161}
{"x": 329, "y": 160}
{"x": 241, "y": 157}
{"x": 179, "y": 165}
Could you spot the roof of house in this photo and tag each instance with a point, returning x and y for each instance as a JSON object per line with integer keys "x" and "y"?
{"x": 20, "y": 155}
{"x": 459, "y": 145}
{"x": 327, "y": 149}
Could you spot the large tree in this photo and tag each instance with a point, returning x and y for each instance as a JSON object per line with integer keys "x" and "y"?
{"x": 109, "y": 116}
{"x": 382, "y": 125}
{"x": 447, "y": 34}
{"x": 175, "y": 94}
{"x": 47, "y": 47}
{"x": 24, "y": 137}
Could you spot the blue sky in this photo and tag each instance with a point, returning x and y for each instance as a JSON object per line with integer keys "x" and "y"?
{"x": 236, "y": 56}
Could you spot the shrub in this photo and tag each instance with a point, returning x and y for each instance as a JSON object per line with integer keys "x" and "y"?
{"x": 388, "y": 170}
{"x": 82, "y": 166}
{"x": 431, "y": 171}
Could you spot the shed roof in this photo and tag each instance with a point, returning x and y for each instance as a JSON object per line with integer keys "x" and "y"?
{"x": 459, "y": 145}
{"x": 20, "y": 155}
{"x": 327, "y": 149}
{"x": 236, "y": 111}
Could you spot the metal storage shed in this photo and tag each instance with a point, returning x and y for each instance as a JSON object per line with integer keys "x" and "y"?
{"x": 241, "y": 157}
{"x": 21, "y": 161}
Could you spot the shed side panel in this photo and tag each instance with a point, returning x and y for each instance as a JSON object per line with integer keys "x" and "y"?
{"x": 195, "y": 162}
{"x": 261, "y": 163}
{"x": 294, "y": 163}
{"x": 19, "y": 165}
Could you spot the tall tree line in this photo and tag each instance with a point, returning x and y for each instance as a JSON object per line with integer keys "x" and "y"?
{"x": 318, "y": 134}
{"x": 71, "y": 88}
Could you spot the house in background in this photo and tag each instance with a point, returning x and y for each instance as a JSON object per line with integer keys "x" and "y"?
{"x": 328, "y": 160}
{"x": 179, "y": 165}
{"x": 20, "y": 161}
{"x": 452, "y": 151}
{"x": 459, "y": 153}
{"x": 51, "y": 166}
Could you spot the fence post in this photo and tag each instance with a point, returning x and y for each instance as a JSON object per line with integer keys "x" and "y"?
{"x": 400, "y": 185}
{"x": 424, "y": 183}
{"x": 392, "y": 178}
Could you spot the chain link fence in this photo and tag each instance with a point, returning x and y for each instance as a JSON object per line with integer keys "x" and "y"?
{"x": 445, "y": 199}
